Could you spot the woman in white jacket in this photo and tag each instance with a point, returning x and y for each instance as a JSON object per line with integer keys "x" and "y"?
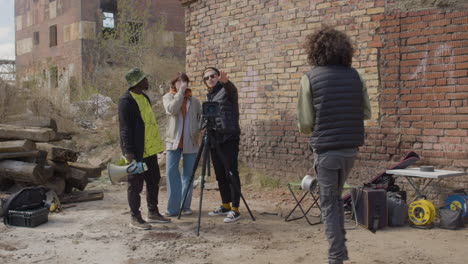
{"x": 182, "y": 141}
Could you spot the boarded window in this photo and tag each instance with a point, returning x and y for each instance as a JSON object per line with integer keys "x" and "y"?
{"x": 53, "y": 36}
{"x": 135, "y": 30}
{"x": 36, "y": 38}
{"x": 53, "y": 71}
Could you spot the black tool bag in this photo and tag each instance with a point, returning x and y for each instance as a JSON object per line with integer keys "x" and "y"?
{"x": 25, "y": 199}
{"x": 451, "y": 219}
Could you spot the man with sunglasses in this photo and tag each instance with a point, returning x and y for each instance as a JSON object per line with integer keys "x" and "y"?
{"x": 227, "y": 136}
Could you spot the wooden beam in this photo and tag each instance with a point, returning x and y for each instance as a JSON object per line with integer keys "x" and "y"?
{"x": 40, "y": 158}
{"x": 78, "y": 197}
{"x": 59, "y": 166}
{"x": 31, "y": 133}
{"x": 56, "y": 153}
{"x": 77, "y": 179}
{"x": 24, "y": 154}
{"x": 22, "y": 172}
{"x": 35, "y": 121}
{"x": 17, "y": 146}
{"x": 91, "y": 171}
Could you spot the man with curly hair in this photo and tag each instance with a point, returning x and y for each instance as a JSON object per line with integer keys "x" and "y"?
{"x": 333, "y": 103}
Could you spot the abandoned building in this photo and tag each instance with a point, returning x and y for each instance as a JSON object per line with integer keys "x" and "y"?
{"x": 53, "y": 38}
{"x": 412, "y": 55}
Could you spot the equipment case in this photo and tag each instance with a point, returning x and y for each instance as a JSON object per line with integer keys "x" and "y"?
{"x": 29, "y": 218}
{"x": 371, "y": 208}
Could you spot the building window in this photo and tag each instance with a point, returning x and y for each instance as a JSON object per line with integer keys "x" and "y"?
{"x": 135, "y": 30}
{"x": 109, "y": 11}
{"x": 108, "y": 21}
{"x": 36, "y": 38}
{"x": 53, "y": 35}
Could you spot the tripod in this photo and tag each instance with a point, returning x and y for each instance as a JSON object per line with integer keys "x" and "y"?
{"x": 204, "y": 150}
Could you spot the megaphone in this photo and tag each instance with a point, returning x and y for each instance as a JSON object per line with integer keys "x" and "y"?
{"x": 120, "y": 173}
{"x": 309, "y": 183}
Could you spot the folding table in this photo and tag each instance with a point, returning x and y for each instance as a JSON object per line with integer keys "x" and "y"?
{"x": 412, "y": 173}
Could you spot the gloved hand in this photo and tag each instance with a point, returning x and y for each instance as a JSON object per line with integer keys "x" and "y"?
{"x": 135, "y": 167}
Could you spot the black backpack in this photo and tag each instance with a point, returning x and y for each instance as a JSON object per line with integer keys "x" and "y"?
{"x": 25, "y": 199}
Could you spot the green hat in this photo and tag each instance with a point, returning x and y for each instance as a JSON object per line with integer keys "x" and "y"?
{"x": 134, "y": 76}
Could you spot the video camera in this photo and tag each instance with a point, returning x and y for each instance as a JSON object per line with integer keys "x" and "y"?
{"x": 210, "y": 109}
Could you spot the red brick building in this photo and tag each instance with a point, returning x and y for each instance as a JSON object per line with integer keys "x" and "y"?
{"x": 52, "y": 37}
{"x": 414, "y": 59}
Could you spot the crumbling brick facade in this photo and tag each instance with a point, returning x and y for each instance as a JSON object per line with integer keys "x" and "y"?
{"x": 414, "y": 64}
{"x": 53, "y": 38}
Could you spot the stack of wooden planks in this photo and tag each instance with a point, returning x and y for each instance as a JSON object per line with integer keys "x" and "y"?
{"x": 30, "y": 155}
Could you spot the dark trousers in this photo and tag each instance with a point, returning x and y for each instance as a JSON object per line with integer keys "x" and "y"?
{"x": 230, "y": 193}
{"x": 135, "y": 186}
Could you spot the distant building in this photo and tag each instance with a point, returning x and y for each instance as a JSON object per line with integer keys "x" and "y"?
{"x": 7, "y": 71}
{"x": 52, "y": 37}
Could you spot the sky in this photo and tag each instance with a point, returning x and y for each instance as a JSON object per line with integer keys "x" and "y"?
{"x": 7, "y": 30}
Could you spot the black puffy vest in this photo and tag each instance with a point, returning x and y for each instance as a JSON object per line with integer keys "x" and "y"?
{"x": 338, "y": 104}
{"x": 227, "y": 124}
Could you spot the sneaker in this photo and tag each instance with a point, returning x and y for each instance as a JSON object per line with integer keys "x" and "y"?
{"x": 155, "y": 217}
{"x": 219, "y": 211}
{"x": 187, "y": 212}
{"x": 167, "y": 214}
{"x": 139, "y": 223}
{"x": 232, "y": 216}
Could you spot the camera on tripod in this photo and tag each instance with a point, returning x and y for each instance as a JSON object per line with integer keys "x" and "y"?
{"x": 210, "y": 109}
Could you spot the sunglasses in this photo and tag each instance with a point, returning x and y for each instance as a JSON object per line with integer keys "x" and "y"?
{"x": 212, "y": 76}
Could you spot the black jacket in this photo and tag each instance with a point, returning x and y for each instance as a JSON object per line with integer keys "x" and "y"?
{"x": 132, "y": 127}
{"x": 227, "y": 123}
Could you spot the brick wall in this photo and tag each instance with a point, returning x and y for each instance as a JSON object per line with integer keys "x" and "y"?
{"x": 423, "y": 67}
{"x": 414, "y": 64}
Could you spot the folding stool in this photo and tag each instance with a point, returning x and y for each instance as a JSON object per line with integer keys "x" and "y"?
{"x": 315, "y": 202}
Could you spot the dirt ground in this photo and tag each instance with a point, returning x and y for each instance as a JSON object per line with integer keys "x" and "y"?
{"x": 98, "y": 232}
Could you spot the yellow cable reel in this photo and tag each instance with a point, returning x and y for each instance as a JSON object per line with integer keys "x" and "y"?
{"x": 455, "y": 205}
{"x": 421, "y": 212}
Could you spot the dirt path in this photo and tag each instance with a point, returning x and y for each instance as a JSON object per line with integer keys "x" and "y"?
{"x": 98, "y": 232}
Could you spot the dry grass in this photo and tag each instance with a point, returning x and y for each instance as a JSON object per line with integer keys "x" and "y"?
{"x": 11, "y": 102}
{"x": 257, "y": 178}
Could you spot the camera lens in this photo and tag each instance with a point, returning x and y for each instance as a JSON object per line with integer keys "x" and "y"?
{"x": 211, "y": 109}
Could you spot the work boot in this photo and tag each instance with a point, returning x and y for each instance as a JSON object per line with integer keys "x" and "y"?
{"x": 138, "y": 223}
{"x": 156, "y": 217}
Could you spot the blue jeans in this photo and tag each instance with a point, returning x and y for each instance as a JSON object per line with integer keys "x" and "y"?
{"x": 176, "y": 183}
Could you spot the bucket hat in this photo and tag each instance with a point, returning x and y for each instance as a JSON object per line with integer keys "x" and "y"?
{"x": 135, "y": 76}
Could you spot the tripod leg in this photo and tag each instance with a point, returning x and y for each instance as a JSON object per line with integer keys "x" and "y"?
{"x": 230, "y": 177}
{"x": 243, "y": 200}
{"x": 192, "y": 177}
{"x": 206, "y": 161}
